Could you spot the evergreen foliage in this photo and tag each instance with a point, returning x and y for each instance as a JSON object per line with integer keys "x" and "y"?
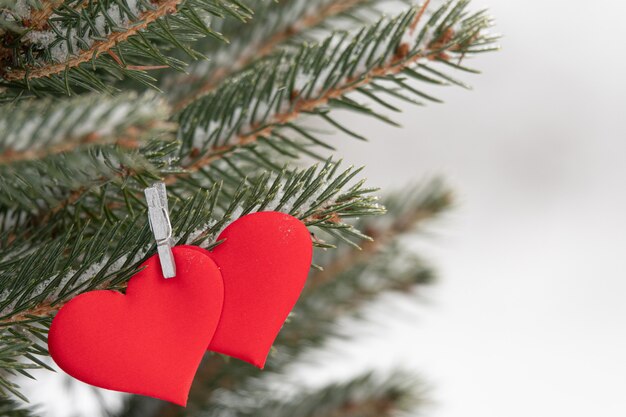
{"x": 233, "y": 103}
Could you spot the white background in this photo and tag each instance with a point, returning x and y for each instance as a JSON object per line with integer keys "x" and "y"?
{"x": 529, "y": 316}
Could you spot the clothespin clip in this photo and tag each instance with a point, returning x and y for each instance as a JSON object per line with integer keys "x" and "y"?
{"x": 159, "y": 218}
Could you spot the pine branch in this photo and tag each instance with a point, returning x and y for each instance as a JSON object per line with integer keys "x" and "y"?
{"x": 37, "y": 129}
{"x": 227, "y": 103}
{"x": 34, "y": 191}
{"x": 122, "y": 39}
{"x": 314, "y": 320}
{"x": 406, "y": 211}
{"x": 351, "y": 277}
{"x": 364, "y": 396}
{"x": 36, "y": 282}
{"x": 97, "y": 48}
{"x": 262, "y": 103}
{"x": 253, "y": 41}
{"x": 55, "y": 154}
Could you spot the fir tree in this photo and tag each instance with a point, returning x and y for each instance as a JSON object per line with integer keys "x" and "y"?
{"x": 230, "y": 102}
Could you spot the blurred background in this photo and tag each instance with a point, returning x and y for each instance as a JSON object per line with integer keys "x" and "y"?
{"x": 529, "y": 315}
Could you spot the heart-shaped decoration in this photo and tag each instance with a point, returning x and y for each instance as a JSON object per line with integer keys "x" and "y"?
{"x": 149, "y": 341}
{"x": 264, "y": 261}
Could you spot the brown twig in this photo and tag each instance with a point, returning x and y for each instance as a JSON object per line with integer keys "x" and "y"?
{"x": 38, "y": 18}
{"x": 46, "y": 309}
{"x": 42, "y": 310}
{"x": 418, "y": 16}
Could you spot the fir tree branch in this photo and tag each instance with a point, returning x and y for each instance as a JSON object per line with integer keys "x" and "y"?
{"x": 36, "y": 190}
{"x": 123, "y": 39}
{"x": 163, "y": 8}
{"x": 406, "y": 212}
{"x": 364, "y": 396}
{"x": 19, "y": 348}
{"x": 37, "y": 129}
{"x": 275, "y": 132}
{"x": 52, "y": 153}
{"x": 266, "y": 99}
{"x": 351, "y": 277}
{"x": 318, "y": 196}
{"x": 263, "y": 47}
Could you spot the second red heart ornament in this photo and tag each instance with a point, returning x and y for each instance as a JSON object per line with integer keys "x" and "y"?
{"x": 264, "y": 259}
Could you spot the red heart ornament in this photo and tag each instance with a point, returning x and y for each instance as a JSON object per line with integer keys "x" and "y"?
{"x": 264, "y": 261}
{"x": 149, "y": 341}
